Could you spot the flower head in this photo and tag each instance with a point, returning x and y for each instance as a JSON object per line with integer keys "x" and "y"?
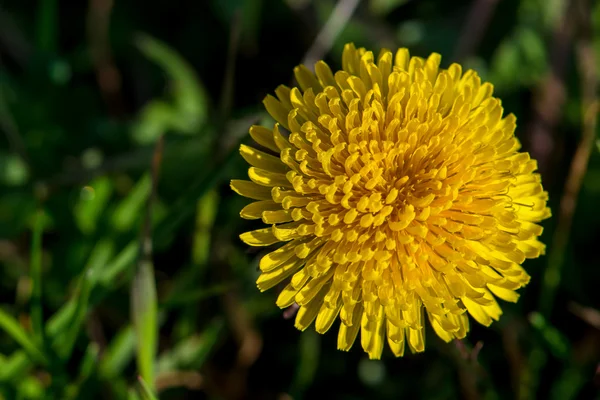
{"x": 400, "y": 194}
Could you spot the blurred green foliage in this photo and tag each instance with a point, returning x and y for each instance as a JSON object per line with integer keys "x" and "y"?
{"x": 88, "y": 310}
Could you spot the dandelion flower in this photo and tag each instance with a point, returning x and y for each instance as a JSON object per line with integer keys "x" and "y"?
{"x": 399, "y": 194}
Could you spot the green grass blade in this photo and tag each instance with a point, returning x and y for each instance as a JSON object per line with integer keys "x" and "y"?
{"x": 125, "y": 259}
{"x": 10, "y": 325}
{"x": 14, "y": 366}
{"x": 206, "y": 213}
{"x": 309, "y": 353}
{"x": 92, "y": 202}
{"x": 89, "y": 362}
{"x": 192, "y": 352}
{"x": 144, "y": 315}
{"x": 182, "y": 297}
{"x": 190, "y": 98}
{"x": 86, "y": 368}
{"x": 132, "y": 394}
{"x": 184, "y": 207}
{"x": 129, "y": 208}
{"x": 102, "y": 252}
{"x": 118, "y": 354}
{"x": 145, "y": 390}
{"x": 555, "y": 340}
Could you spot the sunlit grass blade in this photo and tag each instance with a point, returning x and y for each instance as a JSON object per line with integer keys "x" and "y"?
{"x": 144, "y": 316}
{"x": 12, "y": 327}
{"x": 145, "y": 390}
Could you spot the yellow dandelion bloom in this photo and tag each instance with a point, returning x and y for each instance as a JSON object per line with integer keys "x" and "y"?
{"x": 400, "y": 194}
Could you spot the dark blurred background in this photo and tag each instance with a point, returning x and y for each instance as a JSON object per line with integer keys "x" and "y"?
{"x": 120, "y": 124}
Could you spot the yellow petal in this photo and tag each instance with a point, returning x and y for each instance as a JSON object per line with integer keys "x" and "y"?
{"x": 264, "y": 137}
{"x": 279, "y": 256}
{"x": 250, "y": 189}
{"x": 504, "y": 294}
{"x": 277, "y": 217}
{"x": 262, "y": 160}
{"x": 277, "y": 110}
{"x": 268, "y": 178}
{"x": 267, "y": 280}
{"x": 395, "y": 336}
{"x": 326, "y": 317}
{"x": 306, "y": 79}
{"x": 372, "y": 334}
{"x": 347, "y": 334}
{"x": 256, "y": 209}
{"x": 259, "y": 237}
{"x": 416, "y": 340}
{"x": 286, "y": 297}
{"x": 308, "y": 312}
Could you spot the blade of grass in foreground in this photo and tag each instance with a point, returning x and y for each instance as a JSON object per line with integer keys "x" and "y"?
{"x": 143, "y": 290}
{"x": 144, "y": 310}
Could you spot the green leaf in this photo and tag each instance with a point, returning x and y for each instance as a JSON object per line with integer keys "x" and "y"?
{"x": 10, "y": 325}
{"x": 144, "y": 316}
